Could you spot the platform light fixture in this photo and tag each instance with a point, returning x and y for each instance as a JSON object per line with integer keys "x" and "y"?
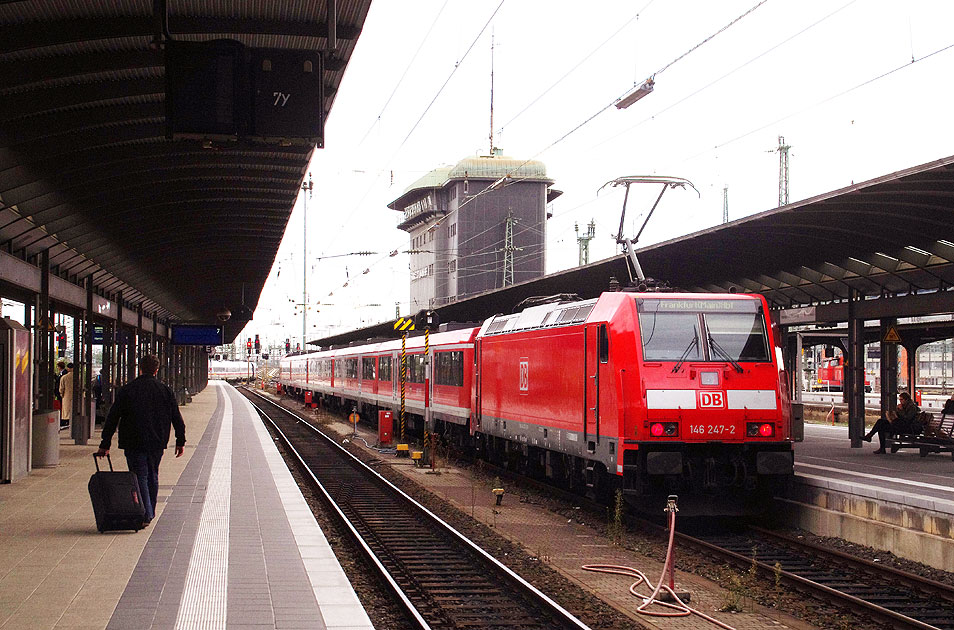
{"x": 637, "y": 93}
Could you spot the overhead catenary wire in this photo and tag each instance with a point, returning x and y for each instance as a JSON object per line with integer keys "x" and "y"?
{"x": 505, "y": 179}
{"x": 654, "y": 116}
{"x": 423, "y": 114}
{"x": 574, "y": 68}
{"x": 561, "y": 138}
{"x": 400, "y": 80}
{"x": 906, "y": 64}
{"x": 708, "y": 39}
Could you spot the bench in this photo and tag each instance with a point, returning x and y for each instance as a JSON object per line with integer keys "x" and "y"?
{"x": 937, "y": 437}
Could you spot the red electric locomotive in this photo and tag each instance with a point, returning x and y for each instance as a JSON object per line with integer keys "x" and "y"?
{"x": 652, "y": 393}
{"x": 649, "y": 392}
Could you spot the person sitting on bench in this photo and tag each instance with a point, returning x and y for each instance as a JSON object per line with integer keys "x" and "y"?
{"x": 905, "y": 422}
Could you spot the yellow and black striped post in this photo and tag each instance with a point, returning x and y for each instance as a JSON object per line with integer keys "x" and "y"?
{"x": 403, "y": 324}
{"x": 403, "y": 380}
{"x": 427, "y": 385}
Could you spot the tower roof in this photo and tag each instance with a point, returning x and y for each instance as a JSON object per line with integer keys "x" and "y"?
{"x": 490, "y": 167}
{"x": 495, "y": 167}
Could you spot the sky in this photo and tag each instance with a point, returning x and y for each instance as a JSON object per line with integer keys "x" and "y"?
{"x": 857, "y": 88}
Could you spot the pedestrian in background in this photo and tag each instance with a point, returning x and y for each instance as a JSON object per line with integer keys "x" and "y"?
{"x": 144, "y": 410}
{"x": 66, "y": 395}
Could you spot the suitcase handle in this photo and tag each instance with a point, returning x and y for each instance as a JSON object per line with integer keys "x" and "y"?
{"x": 96, "y": 461}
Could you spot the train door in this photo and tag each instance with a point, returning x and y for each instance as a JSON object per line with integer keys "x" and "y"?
{"x": 396, "y": 377}
{"x": 596, "y": 356}
{"x": 476, "y": 401}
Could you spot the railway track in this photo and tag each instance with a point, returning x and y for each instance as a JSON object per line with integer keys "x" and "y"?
{"x": 887, "y": 595}
{"x": 443, "y": 580}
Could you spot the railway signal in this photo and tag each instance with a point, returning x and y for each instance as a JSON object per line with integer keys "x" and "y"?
{"x": 258, "y": 345}
{"x": 61, "y": 340}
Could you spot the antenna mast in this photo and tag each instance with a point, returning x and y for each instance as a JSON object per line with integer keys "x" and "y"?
{"x": 491, "y": 92}
{"x": 584, "y": 241}
{"x": 725, "y": 204}
{"x": 782, "y": 171}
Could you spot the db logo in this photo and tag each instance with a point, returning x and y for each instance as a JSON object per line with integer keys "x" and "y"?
{"x": 524, "y": 375}
{"x": 712, "y": 399}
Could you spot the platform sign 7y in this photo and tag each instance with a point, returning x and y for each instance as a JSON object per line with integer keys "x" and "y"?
{"x": 712, "y": 400}
{"x": 524, "y": 376}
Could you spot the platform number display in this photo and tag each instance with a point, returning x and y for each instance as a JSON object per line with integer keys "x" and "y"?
{"x": 524, "y": 376}
{"x": 712, "y": 400}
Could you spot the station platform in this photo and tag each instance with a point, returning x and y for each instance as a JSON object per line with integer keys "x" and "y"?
{"x": 898, "y": 502}
{"x": 233, "y": 544}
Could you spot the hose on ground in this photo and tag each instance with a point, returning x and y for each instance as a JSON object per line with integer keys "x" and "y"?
{"x": 678, "y": 608}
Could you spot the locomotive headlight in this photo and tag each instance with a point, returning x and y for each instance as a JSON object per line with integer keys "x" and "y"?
{"x": 759, "y": 429}
{"x": 664, "y": 429}
{"x": 709, "y": 378}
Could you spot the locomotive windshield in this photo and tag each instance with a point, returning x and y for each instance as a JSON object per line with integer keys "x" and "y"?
{"x": 703, "y": 330}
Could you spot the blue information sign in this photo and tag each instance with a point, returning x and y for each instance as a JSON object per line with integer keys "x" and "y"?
{"x": 99, "y": 335}
{"x": 196, "y": 335}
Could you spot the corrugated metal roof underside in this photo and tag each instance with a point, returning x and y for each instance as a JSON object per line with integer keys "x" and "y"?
{"x": 87, "y": 172}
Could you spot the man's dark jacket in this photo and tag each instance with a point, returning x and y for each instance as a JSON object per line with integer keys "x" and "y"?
{"x": 144, "y": 410}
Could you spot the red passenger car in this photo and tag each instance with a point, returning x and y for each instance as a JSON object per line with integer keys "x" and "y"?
{"x": 368, "y": 377}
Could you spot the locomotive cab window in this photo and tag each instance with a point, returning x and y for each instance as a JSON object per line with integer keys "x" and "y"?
{"x": 703, "y": 330}
{"x": 670, "y": 336}
{"x": 740, "y": 335}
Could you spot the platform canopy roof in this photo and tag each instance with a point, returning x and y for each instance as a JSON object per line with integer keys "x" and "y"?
{"x": 185, "y": 228}
{"x": 889, "y": 237}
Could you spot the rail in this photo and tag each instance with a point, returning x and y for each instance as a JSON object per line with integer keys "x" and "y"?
{"x": 443, "y": 579}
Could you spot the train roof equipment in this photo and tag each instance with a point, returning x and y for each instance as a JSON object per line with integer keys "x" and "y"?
{"x": 667, "y": 183}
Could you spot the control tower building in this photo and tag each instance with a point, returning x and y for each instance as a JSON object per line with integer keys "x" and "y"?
{"x": 474, "y": 227}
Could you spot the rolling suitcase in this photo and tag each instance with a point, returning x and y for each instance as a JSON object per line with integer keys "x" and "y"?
{"x": 116, "y": 500}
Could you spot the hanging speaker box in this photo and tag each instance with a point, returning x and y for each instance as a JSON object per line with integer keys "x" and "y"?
{"x": 287, "y": 97}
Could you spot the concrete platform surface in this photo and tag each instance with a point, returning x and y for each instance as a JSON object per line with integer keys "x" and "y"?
{"x": 897, "y": 502}
{"x": 233, "y": 545}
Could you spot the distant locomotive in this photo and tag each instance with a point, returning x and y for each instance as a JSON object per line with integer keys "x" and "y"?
{"x": 651, "y": 393}
{"x": 831, "y": 376}
{"x": 231, "y": 371}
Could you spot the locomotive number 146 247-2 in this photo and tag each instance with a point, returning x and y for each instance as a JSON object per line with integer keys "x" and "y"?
{"x": 712, "y": 429}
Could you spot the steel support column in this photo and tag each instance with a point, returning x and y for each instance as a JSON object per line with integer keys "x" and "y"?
{"x": 140, "y": 349}
{"x": 108, "y": 378}
{"x": 79, "y": 422}
{"x": 854, "y": 372}
{"x": 119, "y": 342}
{"x": 794, "y": 365}
{"x": 44, "y": 340}
{"x": 131, "y": 357}
{"x": 30, "y": 324}
{"x": 889, "y": 369}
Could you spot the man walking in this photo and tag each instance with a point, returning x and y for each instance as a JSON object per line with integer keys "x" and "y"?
{"x": 144, "y": 410}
